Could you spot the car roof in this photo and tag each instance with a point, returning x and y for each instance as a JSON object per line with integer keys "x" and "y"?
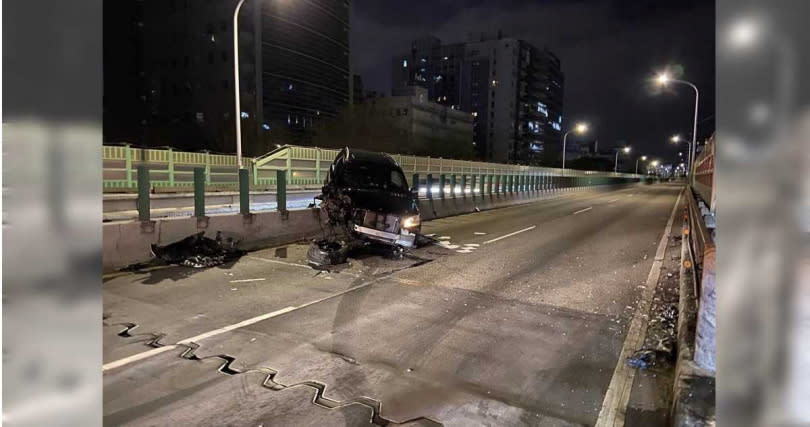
{"x": 372, "y": 157}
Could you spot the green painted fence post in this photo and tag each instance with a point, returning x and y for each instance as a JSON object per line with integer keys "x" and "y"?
{"x": 171, "y": 167}
{"x": 415, "y": 182}
{"x": 128, "y": 157}
{"x": 453, "y": 185}
{"x": 244, "y": 191}
{"x": 143, "y": 193}
{"x": 281, "y": 191}
{"x": 199, "y": 192}
{"x": 441, "y": 185}
{"x": 429, "y": 186}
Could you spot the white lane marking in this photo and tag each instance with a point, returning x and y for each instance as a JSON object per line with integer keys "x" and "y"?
{"x": 242, "y": 324}
{"x": 583, "y": 210}
{"x": 464, "y": 251}
{"x": 248, "y": 280}
{"x": 472, "y": 245}
{"x": 291, "y": 264}
{"x": 614, "y": 405}
{"x": 510, "y": 234}
{"x": 611, "y": 201}
{"x": 444, "y": 237}
{"x": 478, "y": 233}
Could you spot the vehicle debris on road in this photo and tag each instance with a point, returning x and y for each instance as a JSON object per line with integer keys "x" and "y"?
{"x": 198, "y": 251}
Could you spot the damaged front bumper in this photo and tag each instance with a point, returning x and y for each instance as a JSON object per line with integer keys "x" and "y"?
{"x": 405, "y": 238}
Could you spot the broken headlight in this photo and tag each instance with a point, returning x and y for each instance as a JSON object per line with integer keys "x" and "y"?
{"x": 411, "y": 222}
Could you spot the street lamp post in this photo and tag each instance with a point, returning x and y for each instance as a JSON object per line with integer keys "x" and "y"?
{"x": 663, "y": 80}
{"x": 640, "y": 158}
{"x": 238, "y": 116}
{"x": 580, "y": 128}
{"x": 616, "y": 164}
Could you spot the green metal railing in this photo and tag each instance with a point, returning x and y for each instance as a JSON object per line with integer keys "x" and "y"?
{"x": 308, "y": 167}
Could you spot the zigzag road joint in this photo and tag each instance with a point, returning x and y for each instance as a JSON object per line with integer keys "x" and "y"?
{"x": 227, "y": 367}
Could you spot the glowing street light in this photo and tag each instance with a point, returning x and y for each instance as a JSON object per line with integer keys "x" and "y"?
{"x": 663, "y": 80}
{"x": 580, "y": 129}
{"x": 642, "y": 158}
{"x": 616, "y": 164}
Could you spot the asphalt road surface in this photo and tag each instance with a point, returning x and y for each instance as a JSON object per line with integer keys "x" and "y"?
{"x": 515, "y": 316}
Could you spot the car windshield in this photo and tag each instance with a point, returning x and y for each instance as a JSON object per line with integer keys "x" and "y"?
{"x": 374, "y": 176}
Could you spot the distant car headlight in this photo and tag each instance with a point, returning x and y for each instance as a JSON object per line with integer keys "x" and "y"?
{"x": 411, "y": 222}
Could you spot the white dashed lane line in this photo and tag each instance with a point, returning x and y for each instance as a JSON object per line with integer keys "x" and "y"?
{"x": 583, "y": 210}
{"x": 510, "y": 234}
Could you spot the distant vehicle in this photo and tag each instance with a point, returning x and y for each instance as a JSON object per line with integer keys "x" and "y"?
{"x": 373, "y": 197}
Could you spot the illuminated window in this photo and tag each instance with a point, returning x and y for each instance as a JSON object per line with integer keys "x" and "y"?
{"x": 245, "y": 115}
{"x": 541, "y": 108}
{"x": 556, "y": 125}
{"x": 404, "y": 63}
{"x": 266, "y": 126}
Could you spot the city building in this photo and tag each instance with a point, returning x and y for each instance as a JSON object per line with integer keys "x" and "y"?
{"x": 407, "y": 122}
{"x": 179, "y": 89}
{"x": 513, "y": 90}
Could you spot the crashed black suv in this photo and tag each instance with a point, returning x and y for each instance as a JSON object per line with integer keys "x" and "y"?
{"x": 367, "y": 192}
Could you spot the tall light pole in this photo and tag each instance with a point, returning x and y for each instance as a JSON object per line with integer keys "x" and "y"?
{"x": 238, "y": 105}
{"x": 640, "y": 158}
{"x": 616, "y": 164}
{"x": 663, "y": 80}
{"x": 580, "y": 128}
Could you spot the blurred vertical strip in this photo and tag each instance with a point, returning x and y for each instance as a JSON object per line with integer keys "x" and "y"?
{"x": 762, "y": 182}
{"x": 51, "y": 236}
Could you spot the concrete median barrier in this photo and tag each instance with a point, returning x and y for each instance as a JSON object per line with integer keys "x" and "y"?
{"x": 128, "y": 242}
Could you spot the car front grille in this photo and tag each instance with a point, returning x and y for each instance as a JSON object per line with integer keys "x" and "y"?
{"x": 377, "y": 220}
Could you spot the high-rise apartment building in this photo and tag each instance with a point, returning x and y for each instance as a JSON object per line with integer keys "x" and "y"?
{"x": 169, "y": 74}
{"x": 513, "y": 90}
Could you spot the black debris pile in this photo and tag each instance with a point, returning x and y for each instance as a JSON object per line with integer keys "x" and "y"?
{"x": 198, "y": 251}
{"x": 324, "y": 253}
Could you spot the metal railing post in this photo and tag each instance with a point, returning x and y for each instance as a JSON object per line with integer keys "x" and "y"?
{"x": 171, "y": 167}
{"x": 453, "y": 192}
{"x": 128, "y": 157}
{"x": 244, "y": 191}
{"x": 318, "y": 166}
{"x": 143, "y": 193}
{"x": 207, "y": 168}
{"x": 255, "y": 172}
{"x": 281, "y": 190}
{"x": 199, "y": 192}
{"x": 289, "y": 164}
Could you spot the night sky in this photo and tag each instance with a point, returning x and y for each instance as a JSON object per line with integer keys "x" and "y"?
{"x": 609, "y": 50}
